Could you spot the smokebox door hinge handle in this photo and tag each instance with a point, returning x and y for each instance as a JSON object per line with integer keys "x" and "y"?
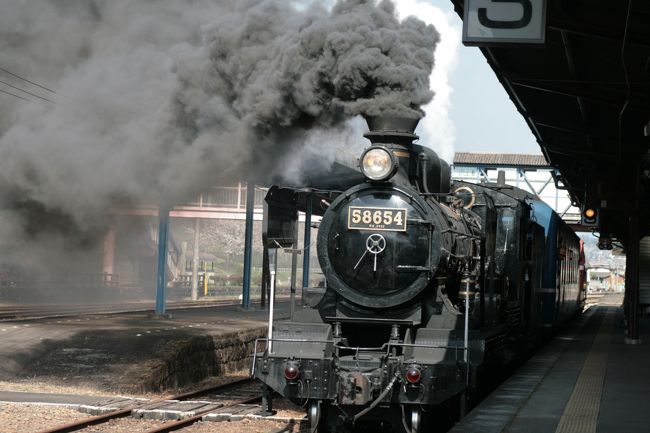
{"x": 411, "y": 268}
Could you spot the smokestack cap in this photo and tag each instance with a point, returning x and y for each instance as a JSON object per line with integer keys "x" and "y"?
{"x": 392, "y": 124}
{"x": 400, "y": 129}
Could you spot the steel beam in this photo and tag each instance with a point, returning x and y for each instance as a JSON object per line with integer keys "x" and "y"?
{"x": 306, "y": 243}
{"x": 161, "y": 281}
{"x": 569, "y": 91}
{"x": 194, "y": 291}
{"x": 483, "y": 172}
{"x": 594, "y": 32}
{"x": 568, "y": 52}
{"x": 599, "y": 156}
{"x": 522, "y": 173}
{"x": 188, "y": 212}
{"x": 108, "y": 252}
{"x": 248, "y": 246}
{"x": 632, "y": 281}
{"x": 550, "y": 178}
{"x": 294, "y": 271}
{"x": 563, "y": 213}
{"x": 571, "y": 128}
{"x": 266, "y": 272}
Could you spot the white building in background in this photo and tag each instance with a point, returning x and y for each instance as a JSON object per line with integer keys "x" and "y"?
{"x": 528, "y": 172}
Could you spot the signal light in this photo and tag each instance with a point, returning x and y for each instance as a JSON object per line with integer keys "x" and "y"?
{"x": 291, "y": 371}
{"x": 413, "y": 374}
{"x": 590, "y": 217}
{"x": 605, "y": 243}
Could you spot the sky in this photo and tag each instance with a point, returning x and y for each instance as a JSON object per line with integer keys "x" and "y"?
{"x": 471, "y": 111}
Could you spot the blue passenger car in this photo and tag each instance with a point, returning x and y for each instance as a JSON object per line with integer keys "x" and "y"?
{"x": 562, "y": 296}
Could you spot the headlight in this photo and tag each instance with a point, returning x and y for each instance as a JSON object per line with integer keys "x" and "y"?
{"x": 378, "y": 163}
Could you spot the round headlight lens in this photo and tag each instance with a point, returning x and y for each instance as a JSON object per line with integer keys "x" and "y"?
{"x": 378, "y": 163}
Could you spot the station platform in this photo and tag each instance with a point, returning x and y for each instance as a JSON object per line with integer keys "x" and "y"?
{"x": 585, "y": 380}
{"x": 131, "y": 353}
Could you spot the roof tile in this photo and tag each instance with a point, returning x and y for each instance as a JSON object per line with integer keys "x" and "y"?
{"x": 500, "y": 159}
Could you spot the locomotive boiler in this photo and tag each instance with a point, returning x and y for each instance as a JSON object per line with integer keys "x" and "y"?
{"x": 430, "y": 288}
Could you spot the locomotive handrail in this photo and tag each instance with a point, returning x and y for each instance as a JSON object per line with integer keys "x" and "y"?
{"x": 429, "y": 346}
{"x": 456, "y": 232}
{"x": 361, "y": 349}
{"x": 426, "y": 346}
{"x": 458, "y": 256}
{"x": 386, "y": 346}
{"x": 440, "y": 194}
{"x": 306, "y": 340}
{"x": 411, "y": 268}
{"x": 418, "y": 221}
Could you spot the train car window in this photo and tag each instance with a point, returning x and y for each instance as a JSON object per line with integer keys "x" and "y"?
{"x": 506, "y": 231}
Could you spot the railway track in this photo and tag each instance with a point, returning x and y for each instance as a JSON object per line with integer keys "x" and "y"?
{"x": 228, "y": 395}
{"x": 30, "y": 312}
{"x": 593, "y": 298}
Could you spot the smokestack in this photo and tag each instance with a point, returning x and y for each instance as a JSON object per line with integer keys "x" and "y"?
{"x": 391, "y": 130}
{"x": 397, "y": 134}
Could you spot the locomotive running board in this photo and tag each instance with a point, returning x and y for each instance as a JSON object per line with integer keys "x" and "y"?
{"x": 303, "y": 340}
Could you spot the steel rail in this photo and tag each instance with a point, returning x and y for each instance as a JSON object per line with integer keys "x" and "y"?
{"x": 121, "y": 413}
{"x": 198, "y": 417}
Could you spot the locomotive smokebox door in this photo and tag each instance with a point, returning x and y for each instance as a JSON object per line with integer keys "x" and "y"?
{"x": 378, "y": 245}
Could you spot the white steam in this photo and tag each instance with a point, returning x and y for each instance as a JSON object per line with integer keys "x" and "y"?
{"x": 436, "y": 129}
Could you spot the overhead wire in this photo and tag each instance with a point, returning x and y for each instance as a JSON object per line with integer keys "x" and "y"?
{"x": 16, "y": 96}
{"x": 26, "y": 80}
{"x": 26, "y": 91}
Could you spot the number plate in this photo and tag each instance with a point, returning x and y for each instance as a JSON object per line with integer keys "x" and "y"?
{"x": 376, "y": 218}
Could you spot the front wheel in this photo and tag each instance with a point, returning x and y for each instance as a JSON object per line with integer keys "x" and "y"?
{"x": 314, "y": 417}
{"x": 412, "y": 418}
{"x": 323, "y": 417}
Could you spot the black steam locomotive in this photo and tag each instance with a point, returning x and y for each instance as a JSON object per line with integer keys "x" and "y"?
{"x": 430, "y": 287}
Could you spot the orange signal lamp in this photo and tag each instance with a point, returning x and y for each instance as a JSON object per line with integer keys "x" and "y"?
{"x": 590, "y": 213}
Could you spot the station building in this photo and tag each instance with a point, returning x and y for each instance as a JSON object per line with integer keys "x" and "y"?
{"x": 210, "y": 228}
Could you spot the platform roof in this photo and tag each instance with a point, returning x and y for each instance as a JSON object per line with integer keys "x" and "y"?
{"x": 500, "y": 160}
{"x": 585, "y": 95}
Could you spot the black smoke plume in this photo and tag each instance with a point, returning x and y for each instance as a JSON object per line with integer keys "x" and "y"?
{"x": 155, "y": 100}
